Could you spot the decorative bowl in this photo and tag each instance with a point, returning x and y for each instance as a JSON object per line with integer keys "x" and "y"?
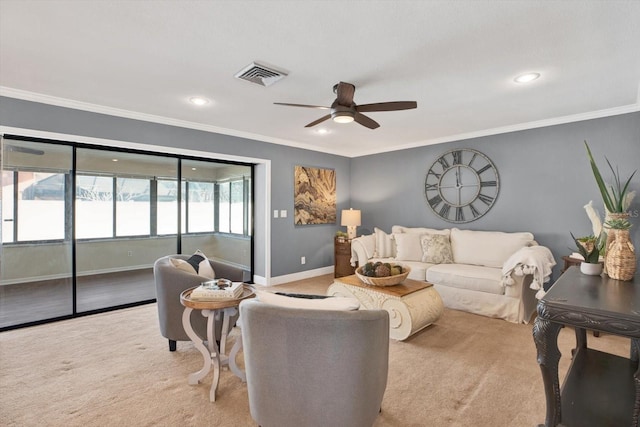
{"x": 384, "y": 281}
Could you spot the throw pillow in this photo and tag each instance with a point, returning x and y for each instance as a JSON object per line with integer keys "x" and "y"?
{"x": 332, "y": 303}
{"x": 408, "y": 247}
{"x": 196, "y": 264}
{"x": 385, "y": 247}
{"x": 487, "y": 248}
{"x": 420, "y": 230}
{"x": 436, "y": 249}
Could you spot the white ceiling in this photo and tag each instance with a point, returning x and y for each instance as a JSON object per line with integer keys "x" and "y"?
{"x": 457, "y": 59}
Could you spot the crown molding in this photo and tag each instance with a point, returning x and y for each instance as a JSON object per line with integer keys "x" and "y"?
{"x": 118, "y": 112}
{"x": 95, "y": 108}
{"x": 632, "y": 108}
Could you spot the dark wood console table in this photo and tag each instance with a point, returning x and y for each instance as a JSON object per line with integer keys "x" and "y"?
{"x": 600, "y": 389}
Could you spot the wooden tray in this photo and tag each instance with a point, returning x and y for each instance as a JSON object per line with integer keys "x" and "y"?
{"x": 185, "y": 299}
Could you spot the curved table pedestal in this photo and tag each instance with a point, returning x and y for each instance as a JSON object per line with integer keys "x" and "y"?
{"x": 211, "y": 355}
{"x": 408, "y": 313}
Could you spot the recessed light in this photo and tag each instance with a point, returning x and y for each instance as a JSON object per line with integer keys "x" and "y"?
{"x": 198, "y": 100}
{"x": 322, "y": 131}
{"x": 193, "y": 169}
{"x": 114, "y": 160}
{"x": 526, "y": 78}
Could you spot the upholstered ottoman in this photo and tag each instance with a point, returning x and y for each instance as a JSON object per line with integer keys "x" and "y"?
{"x": 412, "y": 305}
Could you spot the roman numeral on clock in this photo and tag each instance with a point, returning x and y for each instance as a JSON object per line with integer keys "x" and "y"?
{"x": 485, "y": 168}
{"x": 431, "y": 172}
{"x": 430, "y": 187}
{"x": 486, "y": 199}
{"x": 459, "y": 214}
{"x": 443, "y": 162}
{"x": 457, "y": 157}
{"x": 444, "y": 211}
{"x": 435, "y": 201}
{"x": 475, "y": 212}
{"x": 472, "y": 159}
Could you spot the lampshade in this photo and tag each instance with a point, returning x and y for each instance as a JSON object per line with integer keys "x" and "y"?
{"x": 350, "y": 217}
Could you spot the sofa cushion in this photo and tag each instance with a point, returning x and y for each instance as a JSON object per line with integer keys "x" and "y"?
{"x": 385, "y": 246}
{"x": 420, "y": 230}
{"x": 486, "y": 248}
{"x": 472, "y": 277}
{"x": 418, "y": 269}
{"x": 408, "y": 247}
{"x": 436, "y": 249}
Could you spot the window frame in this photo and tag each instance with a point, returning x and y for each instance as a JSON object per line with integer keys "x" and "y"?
{"x": 70, "y": 196}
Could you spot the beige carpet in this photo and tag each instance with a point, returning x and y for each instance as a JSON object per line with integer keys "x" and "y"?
{"x": 114, "y": 369}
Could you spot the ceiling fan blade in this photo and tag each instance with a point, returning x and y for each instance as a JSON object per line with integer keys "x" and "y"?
{"x": 365, "y": 121}
{"x": 387, "y": 106}
{"x": 320, "y": 120}
{"x": 320, "y": 107}
{"x": 345, "y": 93}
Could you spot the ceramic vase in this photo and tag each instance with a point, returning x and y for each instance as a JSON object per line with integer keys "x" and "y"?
{"x": 621, "y": 256}
{"x": 591, "y": 269}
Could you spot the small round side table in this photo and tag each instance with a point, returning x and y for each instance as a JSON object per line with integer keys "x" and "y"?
{"x": 211, "y": 355}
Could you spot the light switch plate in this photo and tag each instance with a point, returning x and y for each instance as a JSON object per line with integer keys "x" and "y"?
{"x": 283, "y": 213}
{"x": 275, "y": 213}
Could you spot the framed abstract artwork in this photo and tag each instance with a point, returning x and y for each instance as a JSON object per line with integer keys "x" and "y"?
{"x": 314, "y": 196}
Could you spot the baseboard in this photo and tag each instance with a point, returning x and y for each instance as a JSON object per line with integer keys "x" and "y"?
{"x": 278, "y": 280}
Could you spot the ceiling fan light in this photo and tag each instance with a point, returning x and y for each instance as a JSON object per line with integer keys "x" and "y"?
{"x": 342, "y": 117}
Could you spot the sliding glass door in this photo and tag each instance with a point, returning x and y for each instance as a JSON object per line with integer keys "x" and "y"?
{"x": 36, "y": 271}
{"x": 121, "y": 198}
{"x": 83, "y": 225}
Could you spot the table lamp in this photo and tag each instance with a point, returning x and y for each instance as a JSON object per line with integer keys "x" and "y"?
{"x": 351, "y": 219}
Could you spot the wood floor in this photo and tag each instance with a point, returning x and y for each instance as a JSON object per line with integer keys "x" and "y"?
{"x": 38, "y": 301}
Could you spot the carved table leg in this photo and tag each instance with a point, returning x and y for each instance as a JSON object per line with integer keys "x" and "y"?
{"x": 197, "y": 342}
{"x": 214, "y": 354}
{"x": 581, "y": 340}
{"x": 545, "y": 336}
{"x": 237, "y": 346}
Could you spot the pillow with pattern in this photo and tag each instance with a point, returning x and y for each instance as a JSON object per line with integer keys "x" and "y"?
{"x": 436, "y": 249}
{"x": 196, "y": 264}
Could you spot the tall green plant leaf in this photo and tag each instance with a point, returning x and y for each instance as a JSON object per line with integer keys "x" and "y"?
{"x": 606, "y": 197}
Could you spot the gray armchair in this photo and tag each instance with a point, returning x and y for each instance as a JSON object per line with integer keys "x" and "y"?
{"x": 314, "y": 368}
{"x": 170, "y": 282}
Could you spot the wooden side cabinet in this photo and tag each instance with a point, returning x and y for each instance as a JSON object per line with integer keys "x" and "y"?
{"x": 342, "y": 257}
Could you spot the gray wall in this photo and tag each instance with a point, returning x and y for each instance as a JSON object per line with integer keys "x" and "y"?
{"x": 545, "y": 180}
{"x": 288, "y": 242}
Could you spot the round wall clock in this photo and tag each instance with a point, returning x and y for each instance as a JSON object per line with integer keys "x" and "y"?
{"x": 461, "y": 185}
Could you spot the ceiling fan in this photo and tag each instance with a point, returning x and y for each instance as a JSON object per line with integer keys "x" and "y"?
{"x": 344, "y": 110}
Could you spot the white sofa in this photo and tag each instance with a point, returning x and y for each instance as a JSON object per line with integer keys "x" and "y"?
{"x": 490, "y": 273}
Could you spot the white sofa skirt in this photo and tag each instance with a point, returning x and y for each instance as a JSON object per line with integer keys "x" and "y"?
{"x": 489, "y": 305}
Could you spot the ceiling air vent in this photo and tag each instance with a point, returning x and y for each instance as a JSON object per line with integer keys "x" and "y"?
{"x": 260, "y": 74}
